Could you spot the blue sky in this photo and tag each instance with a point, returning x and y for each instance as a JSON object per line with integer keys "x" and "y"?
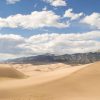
{"x": 24, "y": 19}
{"x": 28, "y": 6}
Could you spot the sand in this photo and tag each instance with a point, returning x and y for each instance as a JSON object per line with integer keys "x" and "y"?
{"x": 57, "y": 83}
{"x": 7, "y": 71}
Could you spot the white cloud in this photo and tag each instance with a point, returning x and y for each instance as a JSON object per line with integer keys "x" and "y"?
{"x": 92, "y": 20}
{"x": 11, "y": 37}
{"x": 56, "y": 3}
{"x": 73, "y": 16}
{"x": 16, "y": 45}
{"x": 12, "y": 1}
{"x": 6, "y": 56}
{"x": 34, "y": 20}
{"x": 8, "y": 43}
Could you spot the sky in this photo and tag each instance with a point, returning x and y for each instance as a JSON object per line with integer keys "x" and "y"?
{"x": 33, "y": 27}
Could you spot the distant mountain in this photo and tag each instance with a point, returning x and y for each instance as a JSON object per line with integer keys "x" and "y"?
{"x": 79, "y": 58}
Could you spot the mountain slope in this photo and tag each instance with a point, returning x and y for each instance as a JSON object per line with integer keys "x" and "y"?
{"x": 79, "y": 58}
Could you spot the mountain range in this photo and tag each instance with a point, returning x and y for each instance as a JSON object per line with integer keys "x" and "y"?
{"x": 78, "y": 58}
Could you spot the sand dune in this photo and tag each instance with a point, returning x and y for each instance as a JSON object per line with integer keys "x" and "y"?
{"x": 40, "y": 76}
{"x": 9, "y": 72}
{"x": 79, "y": 83}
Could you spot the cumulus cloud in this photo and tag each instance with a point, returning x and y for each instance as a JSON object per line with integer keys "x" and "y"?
{"x": 36, "y": 19}
{"x": 92, "y": 20}
{"x": 8, "y": 43}
{"x": 56, "y": 3}
{"x": 12, "y": 1}
{"x": 16, "y": 45}
{"x": 73, "y": 16}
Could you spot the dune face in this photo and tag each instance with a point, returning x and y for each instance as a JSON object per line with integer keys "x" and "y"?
{"x": 9, "y": 72}
{"x": 81, "y": 84}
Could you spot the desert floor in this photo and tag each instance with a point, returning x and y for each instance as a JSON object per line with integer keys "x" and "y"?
{"x": 50, "y": 82}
